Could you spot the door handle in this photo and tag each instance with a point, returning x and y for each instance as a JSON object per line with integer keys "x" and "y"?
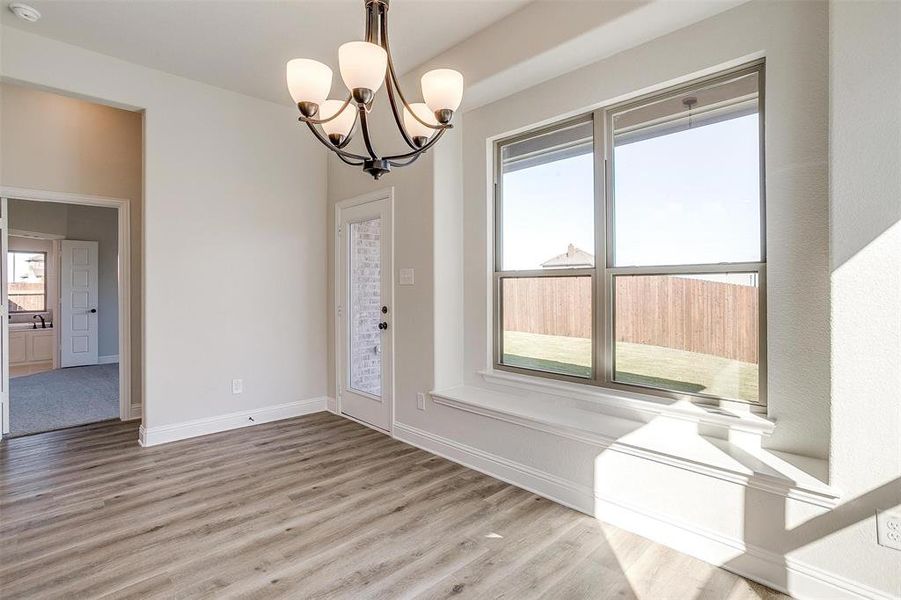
{"x": 93, "y": 310}
{"x": 383, "y": 325}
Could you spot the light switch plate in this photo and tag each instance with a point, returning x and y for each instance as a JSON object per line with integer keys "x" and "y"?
{"x": 420, "y": 401}
{"x": 237, "y": 386}
{"x": 407, "y": 276}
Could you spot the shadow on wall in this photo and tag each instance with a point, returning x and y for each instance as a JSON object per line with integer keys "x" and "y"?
{"x": 771, "y": 530}
{"x": 760, "y": 520}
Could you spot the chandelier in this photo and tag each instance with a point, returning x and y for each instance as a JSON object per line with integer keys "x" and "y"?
{"x": 364, "y": 66}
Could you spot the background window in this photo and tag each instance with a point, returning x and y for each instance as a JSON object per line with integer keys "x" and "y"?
{"x": 672, "y": 304}
{"x": 686, "y": 174}
{"x": 547, "y": 324}
{"x": 548, "y": 200}
{"x": 686, "y": 195}
{"x": 545, "y": 253}
{"x": 26, "y": 283}
{"x": 688, "y": 333}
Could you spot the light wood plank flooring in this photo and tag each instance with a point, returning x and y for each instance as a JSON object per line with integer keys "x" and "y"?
{"x": 313, "y": 507}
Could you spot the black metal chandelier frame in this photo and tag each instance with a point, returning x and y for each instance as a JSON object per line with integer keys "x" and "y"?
{"x": 376, "y": 33}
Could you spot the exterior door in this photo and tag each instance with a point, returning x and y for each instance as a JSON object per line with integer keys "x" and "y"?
{"x": 364, "y": 311}
{"x": 78, "y": 303}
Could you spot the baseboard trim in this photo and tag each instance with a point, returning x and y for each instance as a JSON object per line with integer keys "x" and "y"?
{"x": 779, "y": 572}
{"x": 785, "y": 574}
{"x": 134, "y": 412}
{"x": 154, "y": 436}
{"x": 576, "y": 496}
{"x": 107, "y": 360}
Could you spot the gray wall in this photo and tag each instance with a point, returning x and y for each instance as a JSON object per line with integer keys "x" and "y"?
{"x": 89, "y": 223}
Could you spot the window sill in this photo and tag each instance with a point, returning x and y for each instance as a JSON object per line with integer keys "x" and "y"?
{"x": 730, "y": 417}
{"x": 679, "y": 439}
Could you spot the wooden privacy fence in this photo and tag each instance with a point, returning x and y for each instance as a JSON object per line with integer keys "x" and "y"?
{"x": 697, "y": 315}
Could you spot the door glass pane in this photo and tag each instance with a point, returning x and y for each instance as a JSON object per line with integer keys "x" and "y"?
{"x": 364, "y": 316}
{"x": 547, "y": 324}
{"x": 547, "y": 201}
{"x": 688, "y": 333}
{"x": 686, "y": 177}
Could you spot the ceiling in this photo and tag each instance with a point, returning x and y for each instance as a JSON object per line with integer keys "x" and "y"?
{"x": 243, "y": 45}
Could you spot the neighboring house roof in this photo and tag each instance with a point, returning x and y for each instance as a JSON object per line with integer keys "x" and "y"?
{"x": 574, "y": 257}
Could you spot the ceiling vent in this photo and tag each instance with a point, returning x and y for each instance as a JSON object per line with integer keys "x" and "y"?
{"x": 25, "y": 12}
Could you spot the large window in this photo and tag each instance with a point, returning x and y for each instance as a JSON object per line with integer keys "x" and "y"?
{"x": 26, "y": 283}
{"x": 630, "y": 244}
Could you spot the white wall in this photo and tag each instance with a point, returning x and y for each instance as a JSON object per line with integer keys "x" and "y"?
{"x": 865, "y": 253}
{"x": 789, "y": 542}
{"x": 234, "y": 199}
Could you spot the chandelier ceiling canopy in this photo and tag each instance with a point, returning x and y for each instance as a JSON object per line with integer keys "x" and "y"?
{"x": 364, "y": 67}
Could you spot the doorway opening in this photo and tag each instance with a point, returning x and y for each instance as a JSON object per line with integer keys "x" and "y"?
{"x": 66, "y": 331}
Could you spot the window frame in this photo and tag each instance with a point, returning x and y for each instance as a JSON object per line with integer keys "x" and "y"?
{"x": 603, "y": 273}
{"x": 31, "y": 312}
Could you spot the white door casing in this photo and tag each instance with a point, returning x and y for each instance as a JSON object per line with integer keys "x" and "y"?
{"x": 364, "y": 309}
{"x": 126, "y": 410}
{"x": 4, "y": 311}
{"x": 78, "y": 303}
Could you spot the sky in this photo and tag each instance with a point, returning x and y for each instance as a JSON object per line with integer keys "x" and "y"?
{"x": 21, "y": 269}
{"x": 688, "y": 197}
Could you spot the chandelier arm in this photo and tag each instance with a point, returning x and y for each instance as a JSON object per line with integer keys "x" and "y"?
{"x": 394, "y": 111}
{"x": 367, "y": 30}
{"x": 334, "y": 116}
{"x": 364, "y": 126}
{"x": 395, "y": 163}
{"x": 325, "y": 142}
{"x": 431, "y": 143}
{"x": 350, "y": 162}
{"x": 393, "y": 75}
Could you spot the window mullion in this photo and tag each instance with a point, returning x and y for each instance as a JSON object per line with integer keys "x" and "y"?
{"x": 600, "y": 346}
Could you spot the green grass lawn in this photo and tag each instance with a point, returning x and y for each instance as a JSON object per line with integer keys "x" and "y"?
{"x": 638, "y": 364}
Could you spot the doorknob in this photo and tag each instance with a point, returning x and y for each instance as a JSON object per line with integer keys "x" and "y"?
{"x": 93, "y": 310}
{"x": 383, "y": 325}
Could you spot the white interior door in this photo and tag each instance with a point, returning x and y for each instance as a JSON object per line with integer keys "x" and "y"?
{"x": 4, "y": 311}
{"x": 78, "y": 303}
{"x": 365, "y": 324}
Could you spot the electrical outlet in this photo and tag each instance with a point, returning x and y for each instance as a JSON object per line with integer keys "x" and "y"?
{"x": 888, "y": 529}
{"x": 237, "y": 386}
{"x": 420, "y": 401}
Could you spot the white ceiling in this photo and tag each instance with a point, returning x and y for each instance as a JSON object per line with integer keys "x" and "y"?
{"x": 243, "y": 45}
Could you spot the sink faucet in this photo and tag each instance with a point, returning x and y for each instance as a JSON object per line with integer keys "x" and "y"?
{"x": 43, "y": 323}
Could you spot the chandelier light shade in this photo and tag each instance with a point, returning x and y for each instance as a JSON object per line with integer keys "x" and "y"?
{"x": 308, "y": 80}
{"x": 365, "y": 66}
{"x": 362, "y": 65}
{"x": 339, "y": 117}
{"x": 442, "y": 89}
{"x": 415, "y": 126}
